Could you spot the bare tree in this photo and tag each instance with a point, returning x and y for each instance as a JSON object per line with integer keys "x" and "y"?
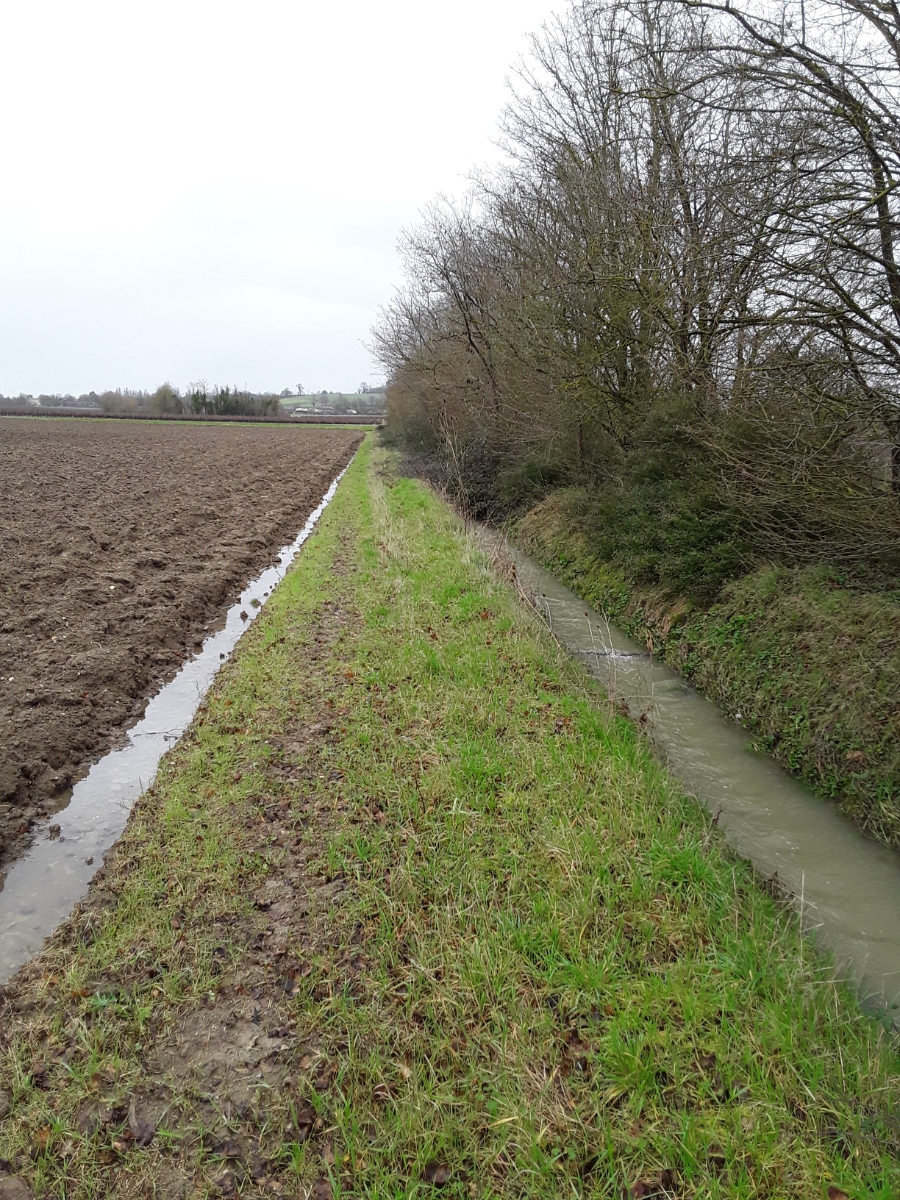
{"x": 831, "y": 69}
{"x": 693, "y": 231}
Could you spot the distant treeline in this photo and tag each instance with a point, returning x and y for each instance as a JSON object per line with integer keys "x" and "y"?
{"x": 51, "y": 400}
{"x": 201, "y": 400}
{"x": 226, "y": 402}
{"x": 682, "y": 291}
{"x": 167, "y": 400}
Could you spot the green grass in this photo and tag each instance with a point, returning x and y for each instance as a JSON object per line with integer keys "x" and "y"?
{"x": 810, "y": 661}
{"x": 546, "y": 976}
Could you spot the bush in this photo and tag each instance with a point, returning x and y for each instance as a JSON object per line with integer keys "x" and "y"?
{"x": 530, "y": 481}
{"x": 663, "y": 521}
{"x": 685, "y": 542}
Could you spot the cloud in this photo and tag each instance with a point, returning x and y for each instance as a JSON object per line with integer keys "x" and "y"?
{"x": 216, "y": 189}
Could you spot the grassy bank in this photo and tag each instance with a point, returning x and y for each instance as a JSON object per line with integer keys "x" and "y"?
{"x": 810, "y": 661}
{"x": 409, "y": 908}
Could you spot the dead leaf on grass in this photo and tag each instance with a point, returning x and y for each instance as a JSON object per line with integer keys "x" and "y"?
{"x": 142, "y": 1132}
{"x": 259, "y": 1168}
{"x": 88, "y": 1120}
{"x": 112, "y": 1114}
{"x": 306, "y": 1121}
{"x": 716, "y": 1159}
{"x": 321, "y": 1190}
{"x": 226, "y": 1185}
{"x": 437, "y": 1173}
{"x": 39, "y": 1078}
{"x": 645, "y": 1188}
{"x": 324, "y": 1079}
{"x": 230, "y": 1149}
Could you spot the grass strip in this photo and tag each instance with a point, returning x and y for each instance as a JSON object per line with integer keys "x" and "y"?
{"x": 410, "y": 908}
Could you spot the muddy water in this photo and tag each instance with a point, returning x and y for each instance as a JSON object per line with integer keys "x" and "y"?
{"x": 41, "y": 888}
{"x": 847, "y": 887}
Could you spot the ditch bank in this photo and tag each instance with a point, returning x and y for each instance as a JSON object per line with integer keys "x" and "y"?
{"x": 410, "y": 907}
{"x": 810, "y": 665}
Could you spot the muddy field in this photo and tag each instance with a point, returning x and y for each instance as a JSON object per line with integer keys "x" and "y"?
{"x": 120, "y": 543}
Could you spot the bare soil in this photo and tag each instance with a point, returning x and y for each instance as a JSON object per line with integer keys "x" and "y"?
{"x": 229, "y": 1081}
{"x": 120, "y": 544}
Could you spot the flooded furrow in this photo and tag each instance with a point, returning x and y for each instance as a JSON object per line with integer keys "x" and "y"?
{"x": 846, "y": 886}
{"x": 41, "y": 888}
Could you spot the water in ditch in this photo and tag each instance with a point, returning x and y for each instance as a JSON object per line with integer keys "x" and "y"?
{"x": 42, "y": 887}
{"x": 846, "y": 886}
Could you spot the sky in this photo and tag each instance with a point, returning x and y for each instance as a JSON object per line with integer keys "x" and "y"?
{"x": 200, "y": 190}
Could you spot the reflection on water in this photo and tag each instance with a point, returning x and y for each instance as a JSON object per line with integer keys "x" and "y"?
{"x": 847, "y": 885}
{"x": 42, "y": 887}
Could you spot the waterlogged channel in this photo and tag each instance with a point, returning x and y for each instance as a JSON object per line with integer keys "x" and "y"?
{"x": 43, "y": 886}
{"x": 847, "y": 887}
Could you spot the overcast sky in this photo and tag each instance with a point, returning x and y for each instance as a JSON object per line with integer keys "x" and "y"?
{"x": 212, "y": 190}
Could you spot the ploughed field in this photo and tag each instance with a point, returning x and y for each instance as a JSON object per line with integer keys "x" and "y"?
{"x": 120, "y": 544}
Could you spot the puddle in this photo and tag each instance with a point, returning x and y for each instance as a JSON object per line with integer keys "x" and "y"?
{"x": 42, "y": 887}
{"x": 847, "y": 885}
